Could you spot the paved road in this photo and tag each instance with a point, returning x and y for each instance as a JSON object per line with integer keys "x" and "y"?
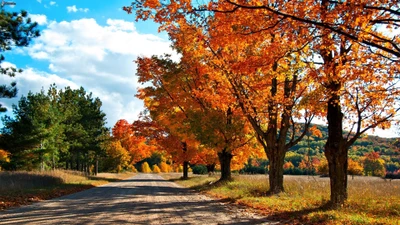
{"x": 142, "y": 199}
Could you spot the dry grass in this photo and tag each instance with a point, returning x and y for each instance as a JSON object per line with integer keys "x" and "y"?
{"x": 371, "y": 200}
{"x": 22, "y": 187}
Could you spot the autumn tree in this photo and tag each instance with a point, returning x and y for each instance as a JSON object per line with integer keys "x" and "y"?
{"x": 17, "y": 30}
{"x": 374, "y": 165}
{"x": 117, "y": 158}
{"x": 218, "y": 127}
{"x": 239, "y": 82}
{"x": 354, "y": 168}
{"x": 357, "y": 61}
{"x": 134, "y": 143}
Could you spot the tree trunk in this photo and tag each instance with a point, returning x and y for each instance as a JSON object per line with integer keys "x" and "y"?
{"x": 185, "y": 170}
{"x": 96, "y": 169}
{"x": 210, "y": 168}
{"x": 276, "y": 161}
{"x": 225, "y": 161}
{"x": 336, "y": 153}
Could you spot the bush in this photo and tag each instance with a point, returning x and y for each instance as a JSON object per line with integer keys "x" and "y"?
{"x": 146, "y": 168}
{"x": 165, "y": 168}
{"x": 298, "y": 171}
{"x": 199, "y": 169}
{"x": 156, "y": 169}
{"x": 254, "y": 170}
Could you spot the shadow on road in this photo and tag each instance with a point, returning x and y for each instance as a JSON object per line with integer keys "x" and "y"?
{"x": 137, "y": 200}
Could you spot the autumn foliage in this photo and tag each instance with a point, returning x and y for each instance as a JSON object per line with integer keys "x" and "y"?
{"x": 277, "y": 61}
{"x": 145, "y": 168}
{"x": 4, "y": 157}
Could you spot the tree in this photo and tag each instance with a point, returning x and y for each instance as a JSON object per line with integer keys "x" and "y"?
{"x": 354, "y": 168}
{"x": 217, "y": 127}
{"x": 54, "y": 129}
{"x": 137, "y": 145}
{"x": 30, "y": 132}
{"x": 374, "y": 165}
{"x": 117, "y": 158}
{"x": 83, "y": 123}
{"x": 16, "y": 30}
{"x": 323, "y": 168}
{"x": 355, "y": 76}
{"x": 245, "y": 84}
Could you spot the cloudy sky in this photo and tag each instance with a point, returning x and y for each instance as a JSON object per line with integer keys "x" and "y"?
{"x": 91, "y": 44}
{"x": 86, "y": 43}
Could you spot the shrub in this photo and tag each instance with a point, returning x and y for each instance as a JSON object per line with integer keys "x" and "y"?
{"x": 199, "y": 169}
{"x": 156, "y": 169}
{"x": 146, "y": 168}
{"x": 164, "y": 167}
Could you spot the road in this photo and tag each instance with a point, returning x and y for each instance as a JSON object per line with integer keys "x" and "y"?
{"x": 142, "y": 199}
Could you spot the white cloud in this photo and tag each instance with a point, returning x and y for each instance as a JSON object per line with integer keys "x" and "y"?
{"x": 74, "y": 9}
{"x": 40, "y": 1}
{"x": 39, "y": 18}
{"x": 121, "y": 25}
{"x": 32, "y": 80}
{"x": 99, "y": 58}
{"x": 52, "y": 3}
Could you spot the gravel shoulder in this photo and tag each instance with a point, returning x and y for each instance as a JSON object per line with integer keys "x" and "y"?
{"x": 142, "y": 199}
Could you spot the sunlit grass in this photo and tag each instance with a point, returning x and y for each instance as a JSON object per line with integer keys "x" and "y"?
{"x": 371, "y": 200}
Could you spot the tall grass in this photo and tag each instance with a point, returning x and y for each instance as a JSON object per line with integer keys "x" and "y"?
{"x": 371, "y": 200}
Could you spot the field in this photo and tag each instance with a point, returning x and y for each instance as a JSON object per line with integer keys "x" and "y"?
{"x": 21, "y": 188}
{"x": 371, "y": 200}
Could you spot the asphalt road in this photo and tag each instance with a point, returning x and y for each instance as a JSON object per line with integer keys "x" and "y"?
{"x": 142, "y": 199}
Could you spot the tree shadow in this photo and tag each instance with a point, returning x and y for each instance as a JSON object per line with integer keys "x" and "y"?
{"x": 299, "y": 215}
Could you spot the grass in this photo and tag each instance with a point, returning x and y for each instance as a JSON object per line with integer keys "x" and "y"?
{"x": 371, "y": 200}
{"x": 22, "y": 187}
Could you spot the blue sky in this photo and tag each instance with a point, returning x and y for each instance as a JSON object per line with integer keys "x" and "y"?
{"x": 85, "y": 43}
{"x": 91, "y": 44}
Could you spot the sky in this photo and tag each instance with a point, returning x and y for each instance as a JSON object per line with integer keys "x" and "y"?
{"x": 92, "y": 44}
{"x": 89, "y": 43}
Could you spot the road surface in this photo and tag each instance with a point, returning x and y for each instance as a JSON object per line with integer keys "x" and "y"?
{"x": 142, "y": 199}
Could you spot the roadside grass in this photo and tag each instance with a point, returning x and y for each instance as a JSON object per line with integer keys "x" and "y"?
{"x": 371, "y": 200}
{"x": 22, "y": 187}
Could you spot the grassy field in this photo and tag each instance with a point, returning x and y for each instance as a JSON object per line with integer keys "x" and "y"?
{"x": 371, "y": 200}
{"x": 22, "y": 188}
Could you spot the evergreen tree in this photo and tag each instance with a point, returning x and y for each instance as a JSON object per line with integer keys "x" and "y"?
{"x": 16, "y": 29}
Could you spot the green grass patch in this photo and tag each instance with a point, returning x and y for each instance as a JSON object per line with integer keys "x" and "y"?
{"x": 371, "y": 200}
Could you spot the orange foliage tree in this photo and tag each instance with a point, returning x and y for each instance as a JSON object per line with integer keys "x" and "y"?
{"x": 218, "y": 127}
{"x": 374, "y": 165}
{"x": 266, "y": 88}
{"x": 355, "y": 168}
{"x": 138, "y": 146}
{"x": 351, "y": 58}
